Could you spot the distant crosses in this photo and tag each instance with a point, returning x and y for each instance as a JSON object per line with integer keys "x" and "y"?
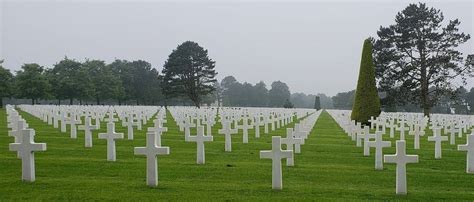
{"x": 187, "y": 129}
{"x": 372, "y": 122}
{"x": 110, "y": 136}
{"x": 290, "y": 140}
{"x": 88, "y": 127}
{"x": 129, "y": 123}
{"x": 417, "y": 133}
{"x": 200, "y": 138}
{"x": 379, "y": 144}
{"x": 227, "y": 131}
{"x": 401, "y": 159}
{"x": 437, "y": 138}
{"x": 469, "y": 147}
{"x": 151, "y": 151}
{"x": 276, "y": 154}
{"x": 26, "y": 148}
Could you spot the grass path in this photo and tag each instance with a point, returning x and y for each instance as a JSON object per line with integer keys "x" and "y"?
{"x": 330, "y": 167}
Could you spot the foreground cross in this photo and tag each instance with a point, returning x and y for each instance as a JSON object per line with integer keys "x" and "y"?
{"x": 200, "y": 139}
{"x": 111, "y": 135}
{"x": 26, "y": 148}
{"x": 401, "y": 159}
{"x": 276, "y": 154}
{"x": 469, "y": 147}
{"x": 151, "y": 151}
{"x": 437, "y": 138}
{"x": 379, "y": 144}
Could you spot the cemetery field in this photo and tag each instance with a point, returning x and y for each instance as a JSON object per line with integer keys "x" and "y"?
{"x": 330, "y": 167}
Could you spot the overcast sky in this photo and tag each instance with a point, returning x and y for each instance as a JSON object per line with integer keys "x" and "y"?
{"x": 313, "y": 46}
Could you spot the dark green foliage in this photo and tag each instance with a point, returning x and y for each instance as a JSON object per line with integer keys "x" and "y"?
{"x": 317, "y": 103}
{"x": 344, "y": 100}
{"x": 367, "y": 101}
{"x": 288, "y": 104}
{"x": 6, "y": 79}
{"x": 278, "y": 95}
{"x": 189, "y": 72}
{"x": 417, "y": 57}
{"x": 31, "y": 83}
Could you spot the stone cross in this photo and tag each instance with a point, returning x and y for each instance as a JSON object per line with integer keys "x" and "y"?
{"x": 227, "y": 131}
{"x": 64, "y": 120}
{"x": 392, "y": 126}
{"x": 379, "y": 144}
{"x": 73, "y": 122}
{"x": 16, "y": 133}
{"x": 367, "y": 136}
{"x": 200, "y": 138}
{"x": 401, "y": 159}
{"x": 469, "y": 147}
{"x": 372, "y": 122}
{"x": 88, "y": 127}
{"x": 151, "y": 151}
{"x": 417, "y": 133}
{"x": 187, "y": 130}
{"x": 437, "y": 138}
{"x": 257, "y": 126}
{"x": 157, "y": 129}
{"x": 26, "y": 148}
{"x": 452, "y": 133}
{"x": 276, "y": 154}
{"x": 245, "y": 126}
{"x": 110, "y": 136}
{"x": 290, "y": 140}
{"x": 129, "y": 123}
{"x": 402, "y": 129}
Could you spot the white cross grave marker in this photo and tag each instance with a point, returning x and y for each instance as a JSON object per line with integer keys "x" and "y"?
{"x": 276, "y": 154}
{"x": 111, "y": 135}
{"x": 379, "y": 144}
{"x": 151, "y": 151}
{"x": 437, "y": 138}
{"x": 401, "y": 159}
{"x": 469, "y": 147}
{"x": 200, "y": 138}
{"x": 26, "y": 148}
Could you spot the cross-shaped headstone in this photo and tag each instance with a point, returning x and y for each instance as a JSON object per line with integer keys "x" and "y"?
{"x": 379, "y": 144}
{"x": 417, "y": 133}
{"x": 151, "y": 151}
{"x": 88, "y": 127}
{"x": 111, "y": 135}
{"x": 245, "y": 127}
{"x": 26, "y": 148}
{"x": 469, "y": 147}
{"x": 187, "y": 129}
{"x": 276, "y": 154}
{"x": 402, "y": 129}
{"x": 227, "y": 131}
{"x": 16, "y": 133}
{"x": 401, "y": 159}
{"x": 437, "y": 138}
{"x": 290, "y": 140}
{"x": 158, "y": 129}
{"x": 200, "y": 138}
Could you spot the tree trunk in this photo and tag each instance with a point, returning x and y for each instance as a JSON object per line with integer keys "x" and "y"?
{"x": 98, "y": 100}
{"x": 1, "y": 102}
{"x": 33, "y": 101}
{"x": 70, "y": 101}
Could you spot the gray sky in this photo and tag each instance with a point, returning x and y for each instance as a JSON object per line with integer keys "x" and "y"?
{"x": 314, "y": 47}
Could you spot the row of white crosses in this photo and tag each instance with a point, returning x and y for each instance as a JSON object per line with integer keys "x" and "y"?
{"x": 416, "y": 125}
{"x": 276, "y": 154}
{"x": 24, "y": 143}
{"x": 46, "y": 112}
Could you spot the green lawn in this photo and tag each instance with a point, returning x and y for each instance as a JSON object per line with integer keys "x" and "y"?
{"x": 330, "y": 167}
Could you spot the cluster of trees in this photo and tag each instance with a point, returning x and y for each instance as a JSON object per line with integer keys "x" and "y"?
{"x": 92, "y": 80}
{"x": 416, "y": 59}
{"x": 233, "y": 93}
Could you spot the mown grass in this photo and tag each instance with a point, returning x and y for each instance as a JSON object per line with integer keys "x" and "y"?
{"x": 330, "y": 167}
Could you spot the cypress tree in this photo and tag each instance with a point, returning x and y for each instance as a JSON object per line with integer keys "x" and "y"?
{"x": 317, "y": 103}
{"x": 367, "y": 101}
